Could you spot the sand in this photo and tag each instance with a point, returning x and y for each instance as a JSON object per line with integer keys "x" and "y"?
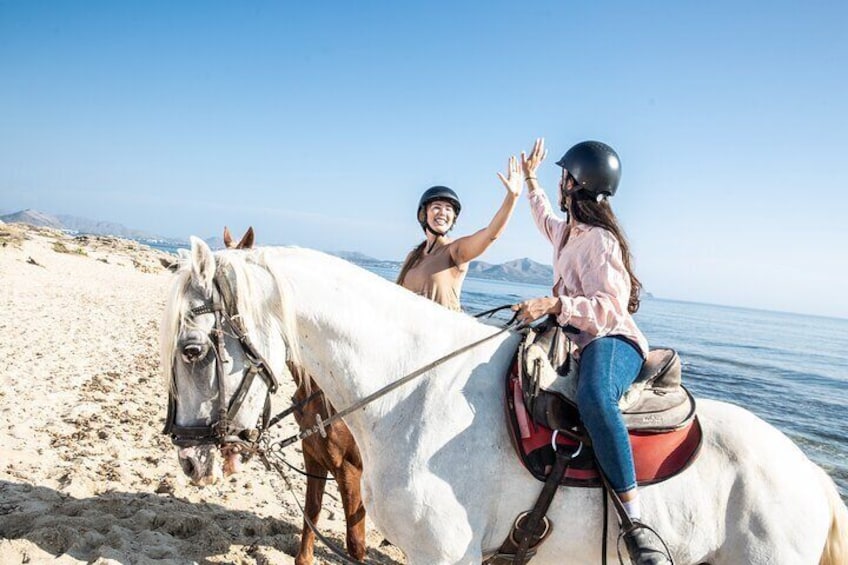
{"x": 85, "y": 474}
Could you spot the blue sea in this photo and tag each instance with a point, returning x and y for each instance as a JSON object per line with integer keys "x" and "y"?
{"x": 789, "y": 369}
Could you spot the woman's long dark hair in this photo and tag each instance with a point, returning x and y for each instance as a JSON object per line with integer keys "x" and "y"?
{"x": 411, "y": 259}
{"x": 588, "y": 210}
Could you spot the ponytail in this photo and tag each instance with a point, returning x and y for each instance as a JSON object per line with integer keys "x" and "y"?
{"x": 411, "y": 260}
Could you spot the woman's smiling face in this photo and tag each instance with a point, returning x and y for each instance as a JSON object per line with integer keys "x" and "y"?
{"x": 440, "y": 216}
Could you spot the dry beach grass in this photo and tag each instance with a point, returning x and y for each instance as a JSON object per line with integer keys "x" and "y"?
{"x": 85, "y": 474}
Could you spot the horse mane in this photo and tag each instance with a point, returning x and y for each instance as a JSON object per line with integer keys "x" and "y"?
{"x": 239, "y": 274}
{"x": 259, "y": 315}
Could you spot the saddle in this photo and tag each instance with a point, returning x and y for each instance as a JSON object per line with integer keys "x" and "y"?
{"x": 656, "y": 401}
{"x": 547, "y": 433}
{"x": 541, "y": 397}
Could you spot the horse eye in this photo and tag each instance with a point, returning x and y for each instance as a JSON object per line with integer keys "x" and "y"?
{"x": 193, "y": 352}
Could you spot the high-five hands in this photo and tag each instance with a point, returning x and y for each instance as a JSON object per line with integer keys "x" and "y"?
{"x": 537, "y": 155}
{"x": 512, "y": 181}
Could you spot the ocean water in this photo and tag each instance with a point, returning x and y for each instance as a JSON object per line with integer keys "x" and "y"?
{"x": 789, "y": 369}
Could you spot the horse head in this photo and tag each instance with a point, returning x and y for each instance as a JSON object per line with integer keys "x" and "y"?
{"x": 223, "y": 317}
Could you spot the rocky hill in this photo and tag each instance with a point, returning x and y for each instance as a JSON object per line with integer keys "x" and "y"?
{"x": 519, "y": 270}
{"x": 80, "y": 225}
{"x": 33, "y": 218}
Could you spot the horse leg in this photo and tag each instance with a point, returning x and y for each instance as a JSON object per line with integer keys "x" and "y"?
{"x": 348, "y": 477}
{"x": 312, "y": 508}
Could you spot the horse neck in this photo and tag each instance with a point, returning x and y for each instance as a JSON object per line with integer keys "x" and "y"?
{"x": 358, "y": 332}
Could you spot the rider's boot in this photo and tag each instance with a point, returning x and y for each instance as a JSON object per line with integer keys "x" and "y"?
{"x": 645, "y": 547}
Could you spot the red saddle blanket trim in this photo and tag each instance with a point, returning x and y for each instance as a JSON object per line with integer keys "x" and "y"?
{"x": 657, "y": 456}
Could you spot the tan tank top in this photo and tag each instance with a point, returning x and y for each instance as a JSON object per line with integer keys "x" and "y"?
{"x": 437, "y": 277}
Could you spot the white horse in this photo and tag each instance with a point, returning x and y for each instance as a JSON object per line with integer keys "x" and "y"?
{"x": 441, "y": 479}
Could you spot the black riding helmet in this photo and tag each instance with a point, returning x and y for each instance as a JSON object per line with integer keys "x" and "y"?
{"x": 595, "y": 167}
{"x": 437, "y": 193}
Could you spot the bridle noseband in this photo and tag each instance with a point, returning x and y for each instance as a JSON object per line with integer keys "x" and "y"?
{"x": 221, "y": 431}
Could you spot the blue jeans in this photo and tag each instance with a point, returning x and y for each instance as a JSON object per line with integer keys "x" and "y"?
{"x": 608, "y": 366}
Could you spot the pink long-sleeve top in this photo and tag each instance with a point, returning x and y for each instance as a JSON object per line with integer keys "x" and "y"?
{"x": 590, "y": 280}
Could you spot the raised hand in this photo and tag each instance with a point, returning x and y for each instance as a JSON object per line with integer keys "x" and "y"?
{"x": 537, "y": 155}
{"x": 512, "y": 181}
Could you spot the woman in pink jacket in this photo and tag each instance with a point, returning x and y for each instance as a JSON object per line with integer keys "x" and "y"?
{"x": 595, "y": 291}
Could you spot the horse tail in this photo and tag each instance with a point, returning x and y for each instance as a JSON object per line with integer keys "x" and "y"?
{"x": 836, "y": 547}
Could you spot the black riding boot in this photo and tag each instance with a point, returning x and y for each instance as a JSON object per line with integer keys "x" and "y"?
{"x": 645, "y": 547}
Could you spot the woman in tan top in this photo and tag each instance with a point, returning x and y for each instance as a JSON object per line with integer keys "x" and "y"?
{"x": 437, "y": 267}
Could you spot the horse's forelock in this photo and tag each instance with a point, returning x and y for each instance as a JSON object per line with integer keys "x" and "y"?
{"x": 173, "y": 319}
{"x": 264, "y": 313}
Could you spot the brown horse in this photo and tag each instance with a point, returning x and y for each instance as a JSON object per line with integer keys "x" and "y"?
{"x": 337, "y": 453}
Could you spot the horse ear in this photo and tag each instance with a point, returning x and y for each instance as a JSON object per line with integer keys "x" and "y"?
{"x": 202, "y": 263}
{"x": 181, "y": 260}
{"x": 228, "y": 238}
{"x": 246, "y": 240}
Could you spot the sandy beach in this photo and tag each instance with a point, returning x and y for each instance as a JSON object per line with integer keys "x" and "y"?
{"x": 85, "y": 474}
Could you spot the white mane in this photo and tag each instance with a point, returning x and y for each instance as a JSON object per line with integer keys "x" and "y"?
{"x": 268, "y": 311}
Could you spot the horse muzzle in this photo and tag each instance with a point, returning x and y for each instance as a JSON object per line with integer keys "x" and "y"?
{"x": 203, "y": 464}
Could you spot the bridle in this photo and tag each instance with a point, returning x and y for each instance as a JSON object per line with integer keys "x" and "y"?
{"x": 221, "y": 431}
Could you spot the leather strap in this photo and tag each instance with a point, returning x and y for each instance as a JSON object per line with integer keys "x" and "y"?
{"x": 532, "y": 528}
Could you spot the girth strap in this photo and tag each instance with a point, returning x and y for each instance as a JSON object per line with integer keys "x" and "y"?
{"x": 531, "y": 528}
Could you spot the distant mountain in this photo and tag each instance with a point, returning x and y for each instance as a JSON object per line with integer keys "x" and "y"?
{"x": 215, "y": 242}
{"x": 519, "y": 270}
{"x": 33, "y": 218}
{"x": 85, "y": 226}
{"x": 99, "y": 227}
{"x": 355, "y": 257}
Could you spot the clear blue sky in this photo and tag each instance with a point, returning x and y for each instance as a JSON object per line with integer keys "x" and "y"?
{"x": 320, "y": 123}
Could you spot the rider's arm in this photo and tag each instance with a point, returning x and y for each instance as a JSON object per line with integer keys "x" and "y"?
{"x": 550, "y": 225}
{"x": 468, "y": 248}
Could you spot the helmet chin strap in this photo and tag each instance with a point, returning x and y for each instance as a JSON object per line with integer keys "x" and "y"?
{"x": 428, "y": 228}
